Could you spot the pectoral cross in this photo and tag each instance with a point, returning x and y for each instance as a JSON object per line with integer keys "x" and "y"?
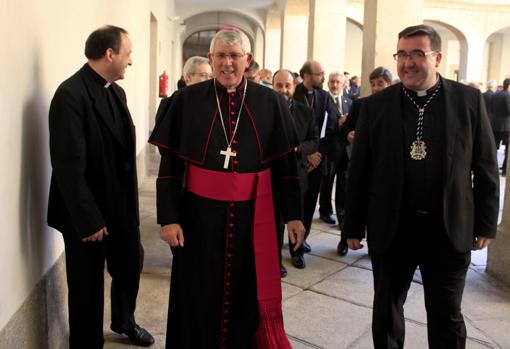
{"x": 227, "y": 153}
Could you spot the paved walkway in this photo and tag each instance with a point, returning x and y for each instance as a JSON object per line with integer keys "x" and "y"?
{"x": 328, "y": 304}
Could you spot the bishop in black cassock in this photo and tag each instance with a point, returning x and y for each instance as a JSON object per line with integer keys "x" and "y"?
{"x": 218, "y": 296}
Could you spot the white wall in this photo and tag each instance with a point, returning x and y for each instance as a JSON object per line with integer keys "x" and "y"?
{"x": 42, "y": 43}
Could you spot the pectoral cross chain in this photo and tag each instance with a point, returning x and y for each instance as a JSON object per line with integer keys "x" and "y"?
{"x": 227, "y": 153}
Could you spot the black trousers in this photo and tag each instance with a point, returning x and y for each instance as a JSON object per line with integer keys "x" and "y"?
{"x": 85, "y": 263}
{"x": 501, "y": 137}
{"x": 339, "y": 170}
{"x": 309, "y": 204}
{"x": 443, "y": 273}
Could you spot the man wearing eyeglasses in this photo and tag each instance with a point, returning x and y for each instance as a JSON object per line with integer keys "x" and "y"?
{"x": 326, "y": 115}
{"x": 196, "y": 69}
{"x": 223, "y": 142}
{"x": 424, "y": 184}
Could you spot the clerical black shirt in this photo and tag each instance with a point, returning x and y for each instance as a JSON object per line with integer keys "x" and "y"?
{"x": 424, "y": 178}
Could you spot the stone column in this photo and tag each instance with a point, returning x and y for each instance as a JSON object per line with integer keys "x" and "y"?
{"x": 272, "y": 39}
{"x": 381, "y": 26}
{"x": 258, "y": 49}
{"x": 498, "y": 255}
{"x": 327, "y": 27}
{"x": 294, "y": 43}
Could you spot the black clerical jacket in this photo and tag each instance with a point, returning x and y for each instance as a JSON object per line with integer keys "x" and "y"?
{"x": 308, "y": 135}
{"x": 323, "y": 106}
{"x": 470, "y": 189}
{"x": 93, "y": 183}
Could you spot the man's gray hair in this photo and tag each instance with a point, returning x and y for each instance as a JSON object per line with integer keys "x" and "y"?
{"x": 191, "y": 63}
{"x": 335, "y": 73}
{"x": 492, "y": 83}
{"x": 232, "y": 36}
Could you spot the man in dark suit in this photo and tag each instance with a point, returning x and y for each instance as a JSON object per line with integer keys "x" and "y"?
{"x": 354, "y": 90}
{"x": 424, "y": 183}
{"x": 500, "y": 108}
{"x": 326, "y": 116}
{"x": 380, "y": 78}
{"x": 337, "y": 158}
{"x": 308, "y": 136}
{"x": 93, "y": 196}
{"x": 492, "y": 86}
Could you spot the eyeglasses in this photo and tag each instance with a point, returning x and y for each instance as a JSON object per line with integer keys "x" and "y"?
{"x": 414, "y": 55}
{"x": 318, "y": 74}
{"x": 202, "y": 75}
{"x": 235, "y": 56}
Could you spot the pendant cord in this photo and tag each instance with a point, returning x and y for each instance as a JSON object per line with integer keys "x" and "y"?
{"x": 229, "y": 143}
{"x": 308, "y": 103}
{"x": 421, "y": 110}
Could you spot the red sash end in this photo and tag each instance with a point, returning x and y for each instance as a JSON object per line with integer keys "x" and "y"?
{"x": 271, "y": 333}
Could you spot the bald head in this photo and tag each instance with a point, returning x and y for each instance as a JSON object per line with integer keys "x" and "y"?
{"x": 283, "y": 83}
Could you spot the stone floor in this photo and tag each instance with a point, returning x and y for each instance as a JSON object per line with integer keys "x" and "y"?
{"x": 328, "y": 304}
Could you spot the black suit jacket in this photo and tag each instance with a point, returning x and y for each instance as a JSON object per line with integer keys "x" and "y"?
{"x": 337, "y": 150}
{"x": 94, "y": 168}
{"x": 500, "y": 108}
{"x": 487, "y": 97}
{"x": 352, "y": 119}
{"x": 308, "y": 136}
{"x": 376, "y": 180}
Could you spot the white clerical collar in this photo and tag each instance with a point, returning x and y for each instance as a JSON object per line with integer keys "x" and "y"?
{"x": 232, "y": 89}
{"x": 423, "y": 93}
{"x": 107, "y": 84}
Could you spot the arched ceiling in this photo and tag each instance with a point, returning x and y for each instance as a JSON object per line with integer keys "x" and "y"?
{"x": 256, "y": 9}
{"x": 247, "y": 4}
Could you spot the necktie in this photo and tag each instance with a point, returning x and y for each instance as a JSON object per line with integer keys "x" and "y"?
{"x": 338, "y": 104}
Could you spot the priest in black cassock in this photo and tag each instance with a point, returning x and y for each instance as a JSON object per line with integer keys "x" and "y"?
{"x": 222, "y": 142}
{"x": 93, "y": 197}
{"x": 424, "y": 184}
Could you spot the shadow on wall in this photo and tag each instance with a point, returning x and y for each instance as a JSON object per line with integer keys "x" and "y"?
{"x": 36, "y": 241}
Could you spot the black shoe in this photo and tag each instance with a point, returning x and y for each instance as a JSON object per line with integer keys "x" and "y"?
{"x": 283, "y": 271}
{"x": 306, "y": 247}
{"x": 299, "y": 262}
{"x": 326, "y": 218}
{"x": 342, "y": 248}
{"x": 138, "y": 335}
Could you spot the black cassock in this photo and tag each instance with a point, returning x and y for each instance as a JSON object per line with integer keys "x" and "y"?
{"x": 213, "y": 296}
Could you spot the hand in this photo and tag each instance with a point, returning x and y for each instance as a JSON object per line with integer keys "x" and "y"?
{"x": 314, "y": 159}
{"x": 354, "y": 244}
{"x": 480, "y": 242}
{"x": 97, "y": 236}
{"x": 342, "y": 119}
{"x": 350, "y": 136}
{"x": 172, "y": 234}
{"x": 296, "y": 232}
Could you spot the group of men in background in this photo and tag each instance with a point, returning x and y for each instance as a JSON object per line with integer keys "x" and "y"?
{"x": 497, "y": 101}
